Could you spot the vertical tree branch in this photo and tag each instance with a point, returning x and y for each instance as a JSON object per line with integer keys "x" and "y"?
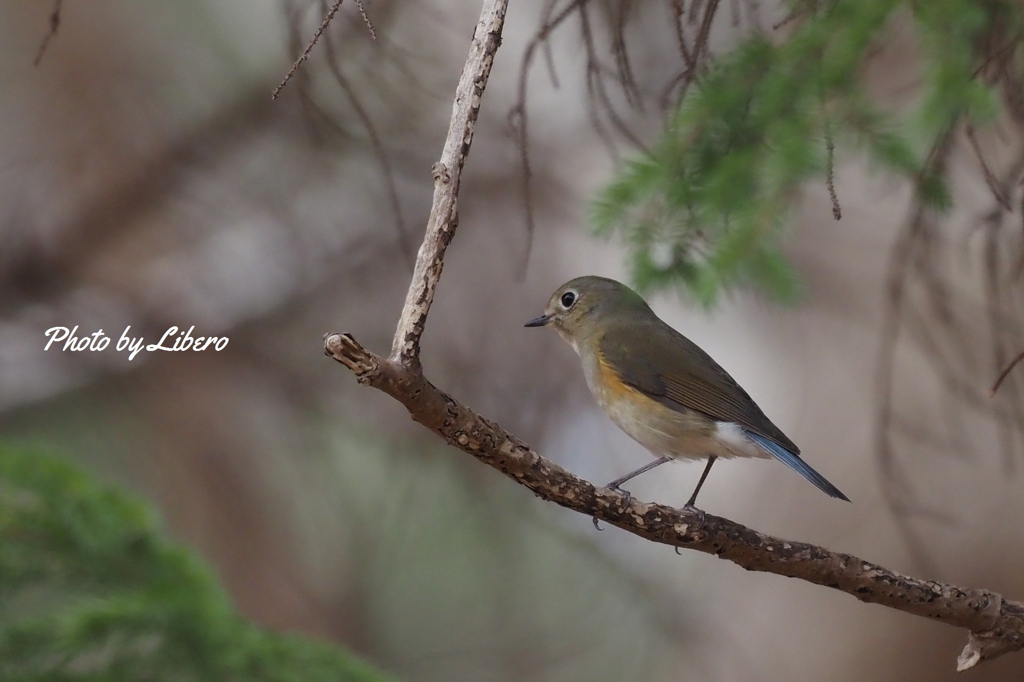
{"x": 447, "y": 174}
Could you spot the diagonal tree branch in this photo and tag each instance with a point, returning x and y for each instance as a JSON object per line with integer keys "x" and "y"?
{"x": 996, "y": 624}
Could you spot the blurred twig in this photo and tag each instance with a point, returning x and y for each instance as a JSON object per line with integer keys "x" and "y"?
{"x": 996, "y": 624}
{"x": 896, "y": 488}
{"x": 830, "y": 172}
{"x": 924, "y": 311}
{"x": 377, "y": 145}
{"x": 316, "y": 37}
{"x": 1005, "y": 373}
{"x": 606, "y": 84}
{"x": 54, "y": 25}
{"x": 100, "y": 222}
{"x": 517, "y": 114}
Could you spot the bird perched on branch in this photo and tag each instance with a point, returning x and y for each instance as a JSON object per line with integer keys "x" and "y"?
{"x": 661, "y": 388}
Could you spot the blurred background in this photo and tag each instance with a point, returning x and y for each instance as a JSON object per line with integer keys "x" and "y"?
{"x": 147, "y": 179}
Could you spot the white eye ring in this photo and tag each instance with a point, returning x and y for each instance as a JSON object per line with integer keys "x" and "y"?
{"x": 568, "y": 299}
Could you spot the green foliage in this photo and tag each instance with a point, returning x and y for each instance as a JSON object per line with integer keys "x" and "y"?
{"x": 708, "y": 206}
{"x": 91, "y": 590}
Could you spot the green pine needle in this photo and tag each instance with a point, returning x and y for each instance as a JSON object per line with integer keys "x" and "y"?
{"x": 708, "y": 209}
{"x": 90, "y": 589}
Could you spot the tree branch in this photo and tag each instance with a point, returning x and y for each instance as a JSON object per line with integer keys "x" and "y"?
{"x": 996, "y": 624}
{"x": 447, "y": 173}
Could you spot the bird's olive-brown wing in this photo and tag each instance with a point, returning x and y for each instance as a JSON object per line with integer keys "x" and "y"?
{"x": 684, "y": 376}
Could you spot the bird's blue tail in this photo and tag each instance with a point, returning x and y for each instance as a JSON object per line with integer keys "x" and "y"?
{"x": 796, "y": 464}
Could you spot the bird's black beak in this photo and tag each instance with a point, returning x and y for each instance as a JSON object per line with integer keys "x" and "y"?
{"x": 539, "y": 321}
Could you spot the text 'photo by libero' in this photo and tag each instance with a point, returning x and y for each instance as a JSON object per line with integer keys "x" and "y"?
{"x": 173, "y": 340}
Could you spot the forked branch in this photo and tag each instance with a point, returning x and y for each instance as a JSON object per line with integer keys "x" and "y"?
{"x": 996, "y": 624}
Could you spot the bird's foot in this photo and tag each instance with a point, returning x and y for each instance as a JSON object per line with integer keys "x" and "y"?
{"x": 626, "y": 493}
{"x": 692, "y": 509}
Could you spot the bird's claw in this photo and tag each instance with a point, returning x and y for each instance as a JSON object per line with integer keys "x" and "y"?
{"x": 629, "y": 499}
{"x": 689, "y": 507}
{"x": 628, "y": 495}
{"x": 692, "y": 509}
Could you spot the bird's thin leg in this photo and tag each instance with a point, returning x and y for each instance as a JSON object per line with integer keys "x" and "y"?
{"x": 693, "y": 498}
{"x": 614, "y": 485}
{"x": 692, "y": 502}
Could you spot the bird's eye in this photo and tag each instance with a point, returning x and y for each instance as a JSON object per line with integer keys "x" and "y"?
{"x": 568, "y": 298}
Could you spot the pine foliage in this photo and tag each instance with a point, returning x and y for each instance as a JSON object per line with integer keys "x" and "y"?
{"x": 708, "y": 207}
{"x": 91, "y": 590}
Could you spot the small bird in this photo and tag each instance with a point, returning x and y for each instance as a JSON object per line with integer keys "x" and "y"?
{"x": 659, "y": 387}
